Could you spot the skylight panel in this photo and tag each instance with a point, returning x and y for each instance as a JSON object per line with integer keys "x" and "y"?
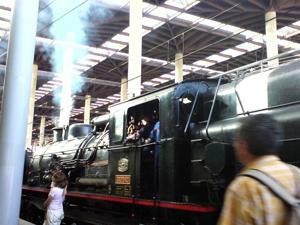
{"x": 187, "y": 67}
{"x": 77, "y": 110}
{"x": 249, "y": 34}
{"x": 57, "y": 78}
{"x": 176, "y": 3}
{"x": 159, "y": 80}
{"x": 146, "y": 31}
{"x": 217, "y": 58}
{"x": 297, "y": 23}
{"x": 50, "y": 85}
{"x": 232, "y": 52}
{"x": 288, "y": 44}
{"x": 148, "y": 83}
{"x": 126, "y": 30}
{"x": 121, "y": 37}
{"x": 188, "y": 17}
{"x": 113, "y": 98}
{"x": 54, "y": 82}
{"x": 287, "y": 32}
{"x": 4, "y": 25}
{"x": 96, "y": 58}
{"x": 102, "y": 100}
{"x": 168, "y": 76}
{"x": 203, "y": 63}
{"x": 87, "y": 63}
{"x": 210, "y": 23}
{"x": 155, "y": 61}
{"x": 43, "y": 40}
{"x": 5, "y": 14}
{"x": 230, "y": 28}
{"x": 7, "y": 3}
{"x": 150, "y": 22}
{"x": 2, "y": 33}
{"x": 182, "y": 4}
{"x": 45, "y": 89}
{"x": 248, "y": 46}
{"x": 185, "y": 73}
{"x": 111, "y": 45}
{"x": 39, "y": 91}
{"x": 96, "y": 104}
{"x": 148, "y": 7}
{"x": 146, "y": 59}
{"x": 164, "y": 12}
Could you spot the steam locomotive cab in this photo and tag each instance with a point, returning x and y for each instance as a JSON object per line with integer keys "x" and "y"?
{"x": 178, "y": 167}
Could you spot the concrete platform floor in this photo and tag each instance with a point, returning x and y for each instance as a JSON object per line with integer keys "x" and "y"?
{"x": 23, "y": 222}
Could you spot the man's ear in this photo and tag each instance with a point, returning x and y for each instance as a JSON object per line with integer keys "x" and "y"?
{"x": 244, "y": 154}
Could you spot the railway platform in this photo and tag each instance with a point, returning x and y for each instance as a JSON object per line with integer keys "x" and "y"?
{"x": 23, "y": 222}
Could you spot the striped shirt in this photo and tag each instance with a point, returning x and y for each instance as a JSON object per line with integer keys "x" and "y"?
{"x": 248, "y": 202}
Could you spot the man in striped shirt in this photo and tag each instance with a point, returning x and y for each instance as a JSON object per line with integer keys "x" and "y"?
{"x": 248, "y": 202}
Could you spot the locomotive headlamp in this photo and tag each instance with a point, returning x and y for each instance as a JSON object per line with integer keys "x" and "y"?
{"x": 186, "y": 100}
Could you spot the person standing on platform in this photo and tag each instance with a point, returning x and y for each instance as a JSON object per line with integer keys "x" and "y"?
{"x": 247, "y": 200}
{"x": 56, "y": 197}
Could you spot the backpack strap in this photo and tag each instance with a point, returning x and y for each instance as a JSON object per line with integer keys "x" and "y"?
{"x": 273, "y": 185}
{"x": 296, "y": 172}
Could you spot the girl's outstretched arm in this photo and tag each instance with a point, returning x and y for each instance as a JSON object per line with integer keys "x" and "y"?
{"x": 47, "y": 202}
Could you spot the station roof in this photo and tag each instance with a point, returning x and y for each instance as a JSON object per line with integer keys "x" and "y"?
{"x": 214, "y": 36}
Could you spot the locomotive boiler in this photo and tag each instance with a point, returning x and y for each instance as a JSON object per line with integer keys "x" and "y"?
{"x": 180, "y": 178}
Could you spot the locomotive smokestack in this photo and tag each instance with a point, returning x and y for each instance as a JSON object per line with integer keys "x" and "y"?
{"x": 58, "y": 134}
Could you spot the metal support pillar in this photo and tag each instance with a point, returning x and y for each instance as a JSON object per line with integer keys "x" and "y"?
{"x": 135, "y": 48}
{"x": 13, "y": 122}
{"x": 31, "y": 107}
{"x": 124, "y": 88}
{"x": 87, "y": 109}
{"x": 42, "y": 131}
{"x": 271, "y": 37}
{"x": 178, "y": 67}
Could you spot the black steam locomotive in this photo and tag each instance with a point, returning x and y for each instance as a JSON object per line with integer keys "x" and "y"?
{"x": 118, "y": 177}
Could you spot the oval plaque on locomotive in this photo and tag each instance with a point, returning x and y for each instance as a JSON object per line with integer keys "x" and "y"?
{"x": 123, "y": 165}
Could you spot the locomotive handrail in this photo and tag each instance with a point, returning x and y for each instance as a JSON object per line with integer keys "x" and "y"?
{"x": 238, "y": 98}
{"x": 192, "y": 110}
{"x": 82, "y": 145}
{"x": 257, "y": 63}
{"x": 57, "y": 153}
{"x": 212, "y": 106}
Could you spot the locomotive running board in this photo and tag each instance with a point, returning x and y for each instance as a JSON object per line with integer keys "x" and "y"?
{"x": 125, "y": 200}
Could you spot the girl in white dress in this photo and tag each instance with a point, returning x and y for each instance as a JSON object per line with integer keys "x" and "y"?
{"x": 56, "y": 197}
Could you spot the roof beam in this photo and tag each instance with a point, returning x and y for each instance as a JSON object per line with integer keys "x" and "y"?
{"x": 51, "y": 75}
